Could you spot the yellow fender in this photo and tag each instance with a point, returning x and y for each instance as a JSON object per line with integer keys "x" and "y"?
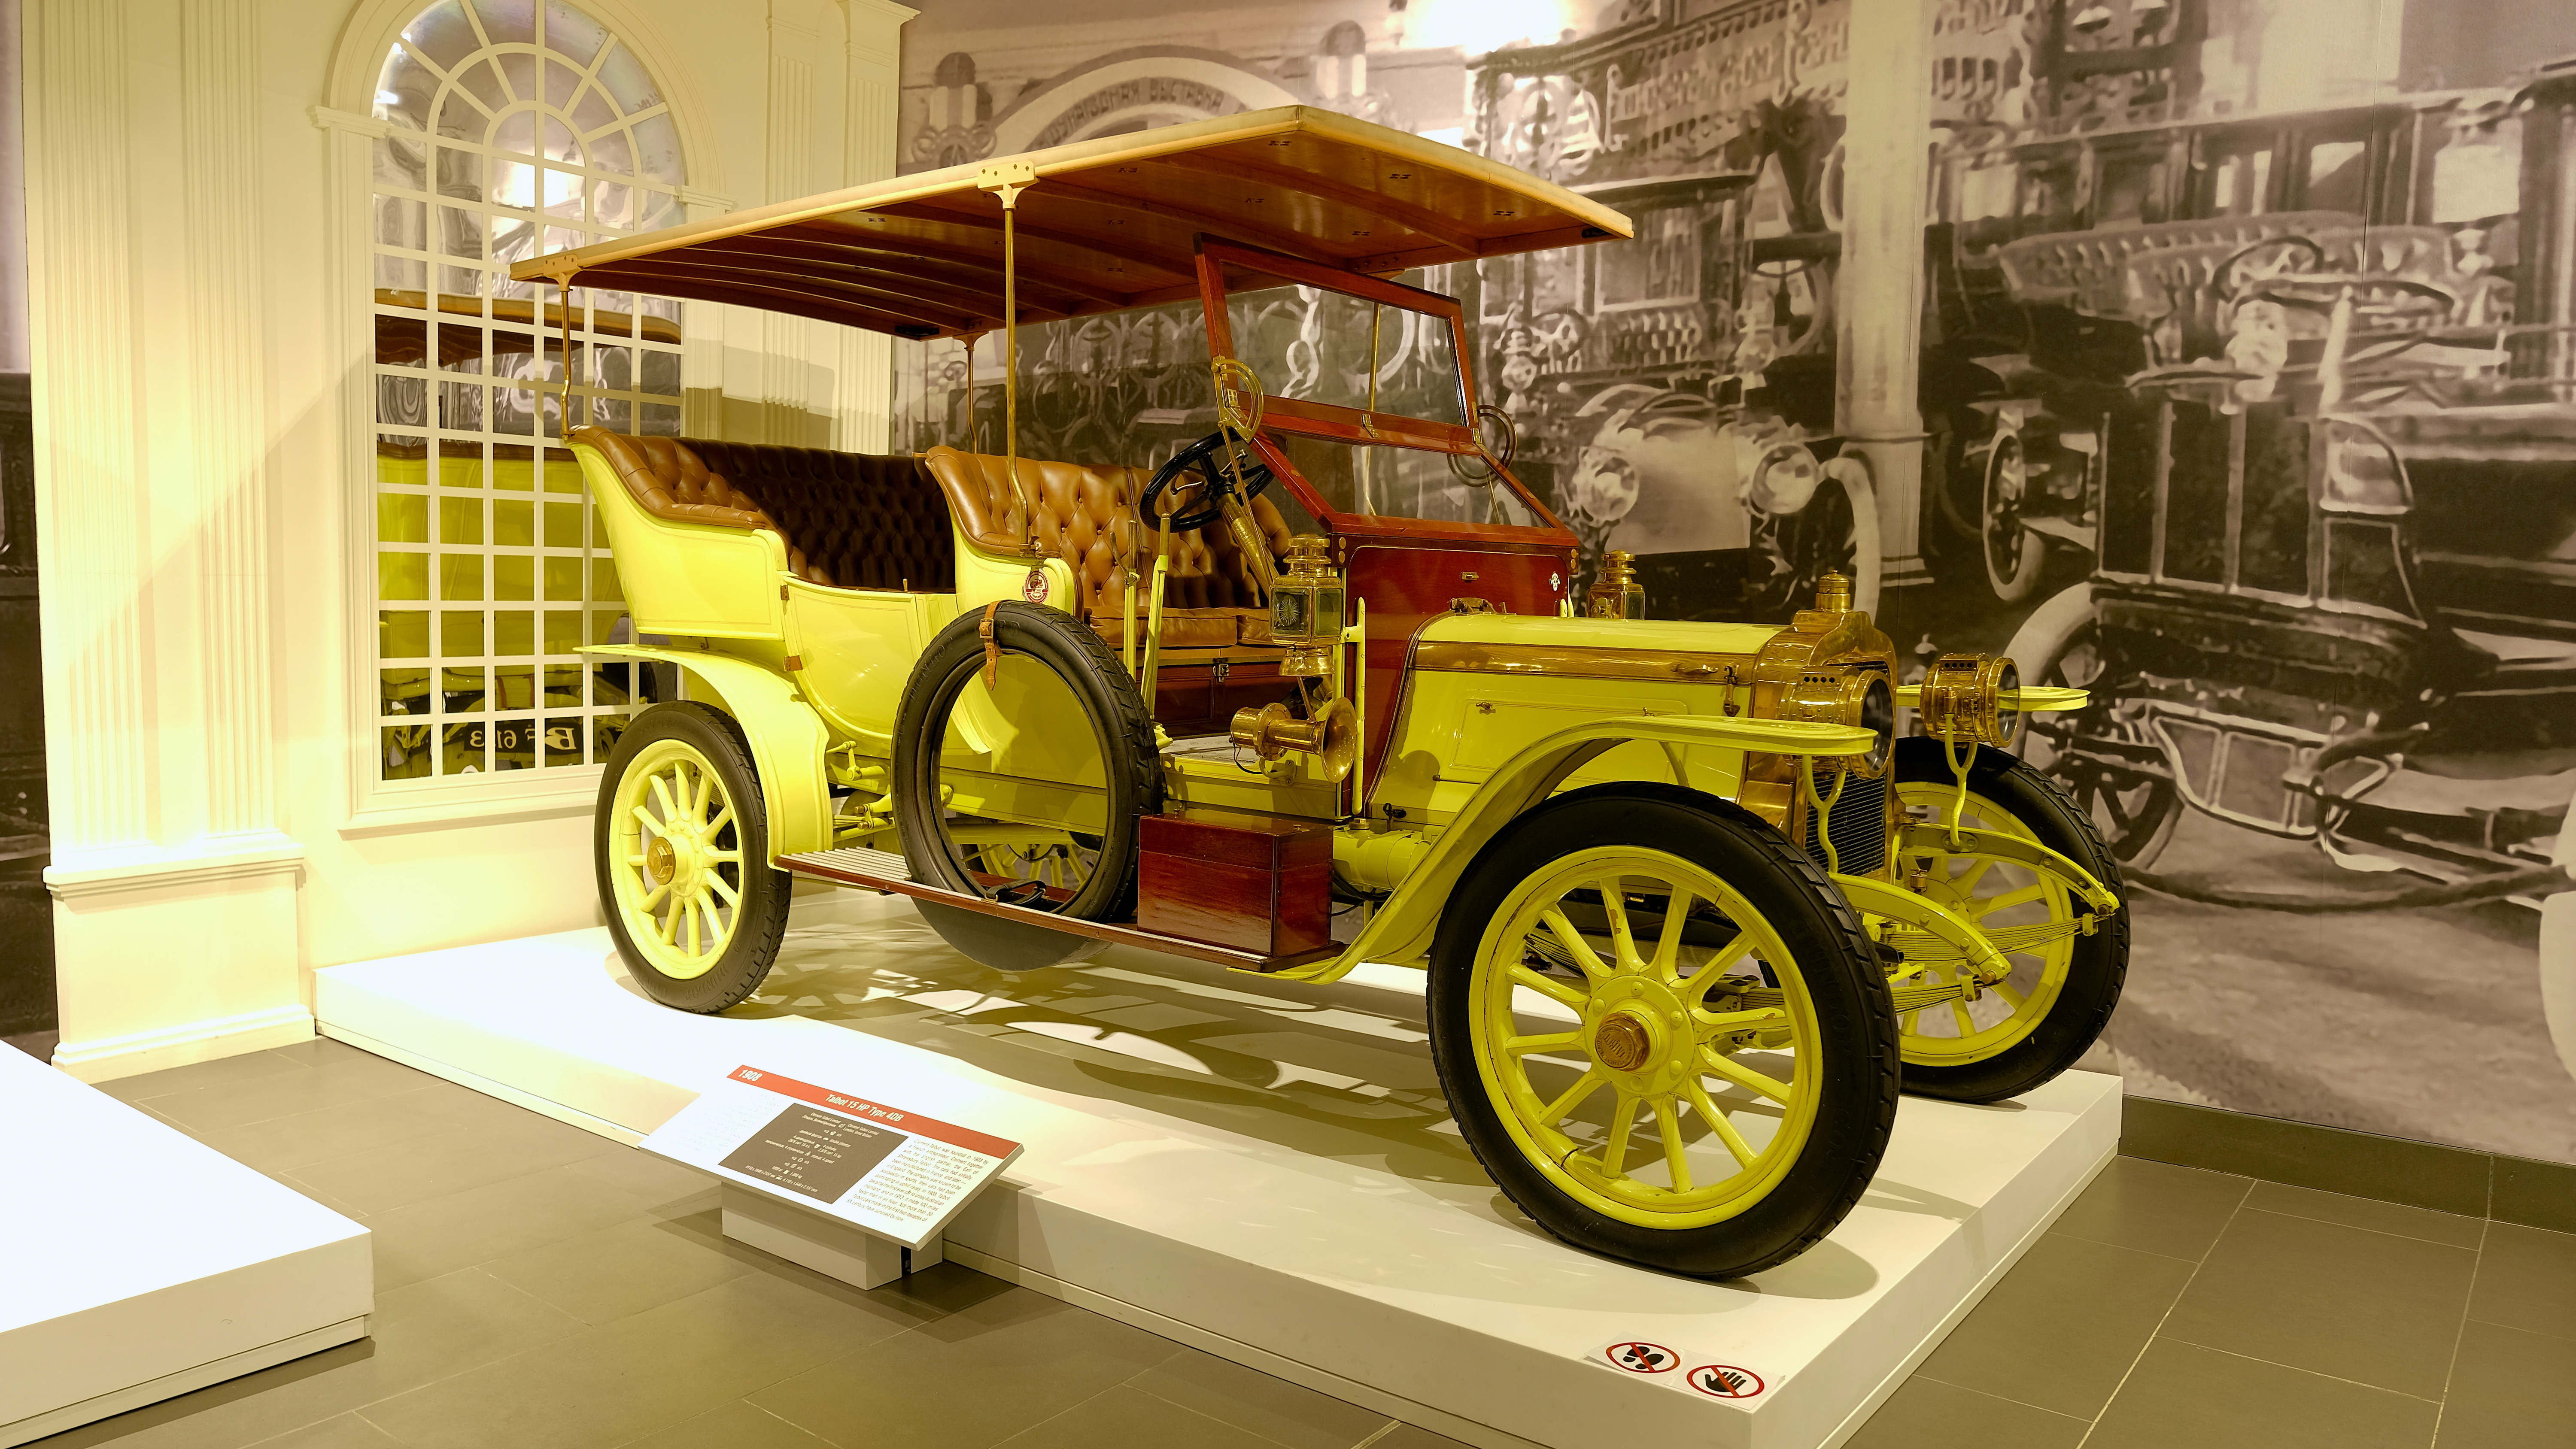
{"x": 1401, "y": 930}
{"x": 1880, "y": 898}
{"x": 786, "y": 736}
{"x": 1929, "y": 836}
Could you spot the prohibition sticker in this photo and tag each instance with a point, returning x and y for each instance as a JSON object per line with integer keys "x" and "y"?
{"x": 1641, "y": 1358}
{"x": 1034, "y": 588}
{"x": 1725, "y": 1381}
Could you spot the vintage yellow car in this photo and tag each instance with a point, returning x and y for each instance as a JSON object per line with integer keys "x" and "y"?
{"x": 1319, "y": 690}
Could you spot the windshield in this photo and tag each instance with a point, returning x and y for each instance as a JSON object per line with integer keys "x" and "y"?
{"x": 1315, "y": 345}
{"x": 1376, "y": 481}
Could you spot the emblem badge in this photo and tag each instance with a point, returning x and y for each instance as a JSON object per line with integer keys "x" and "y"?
{"x": 1035, "y": 589}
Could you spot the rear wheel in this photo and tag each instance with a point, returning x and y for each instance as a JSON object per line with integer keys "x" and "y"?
{"x": 1662, "y": 1032}
{"x": 2133, "y": 807}
{"x": 2021, "y": 1031}
{"x": 680, "y": 844}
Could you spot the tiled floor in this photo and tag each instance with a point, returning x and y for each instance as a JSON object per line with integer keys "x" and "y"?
{"x": 538, "y": 1286}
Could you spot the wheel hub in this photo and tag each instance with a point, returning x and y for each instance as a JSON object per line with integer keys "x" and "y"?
{"x": 1621, "y": 1042}
{"x": 660, "y": 861}
{"x": 1641, "y": 1033}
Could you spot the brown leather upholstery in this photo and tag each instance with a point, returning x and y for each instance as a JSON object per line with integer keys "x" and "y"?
{"x": 1081, "y": 509}
{"x": 850, "y": 520}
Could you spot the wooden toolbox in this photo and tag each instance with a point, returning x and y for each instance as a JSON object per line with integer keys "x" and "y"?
{"x": 1245, "y": 881}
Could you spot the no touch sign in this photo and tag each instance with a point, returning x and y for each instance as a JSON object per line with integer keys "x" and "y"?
{"x": 1641, "y": 1358}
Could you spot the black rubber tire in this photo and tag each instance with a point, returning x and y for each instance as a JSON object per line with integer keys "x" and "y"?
{"x": 762, "y": 922}
{"x": 1111, "y": 704}
{"x": 1858, "y": 1027}
{"x": 2100, "y": 964}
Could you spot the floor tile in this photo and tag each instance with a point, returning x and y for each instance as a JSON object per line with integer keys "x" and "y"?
{"x": 968, "y": 1380}
{"x": 451, "y": 1160}
{"x": 649, "y": 1180}
{"x": 1928, "y": 1414}
{"x": 625, "y": 1268}
{"x": 2365, "y": 1306}
{"x": 2185, "y": 1395}
{"x": 1414, "y": 1436}
{"x": 2527, "y": 1280}
{"x": 2511, "y": 1390}
{"x": 319, "y": 1051}
{"x": 734, "y": 1425}
{"x": 2154, "y": 1207}
{"x": 648, "y": 1372}
{"x": 1124, "y": 1418}
{"x": 2062, "y": 1327}
{"x": 1273, "y": 1408}
{"x": 222, "y": 1071}
{"x": 424, "y": 1239}
{"x": 283, "y": 1144}
{"x": 348, "y": 1431}
{"x": 286, "y": 1089}
{"x": 2365, "y": 1212}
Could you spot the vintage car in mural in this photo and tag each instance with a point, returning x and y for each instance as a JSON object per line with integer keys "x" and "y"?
{"x": 1692, "y": 912}
{"x": 2335, "y": 595}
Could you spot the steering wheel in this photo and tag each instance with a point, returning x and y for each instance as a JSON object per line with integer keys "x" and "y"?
{"x": 1215, "y": 480}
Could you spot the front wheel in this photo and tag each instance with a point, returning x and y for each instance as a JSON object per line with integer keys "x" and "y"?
{"x": 1991, "y": 1040}
{"x": 680, "y": 843}
{"x": 1661, "y": 1030}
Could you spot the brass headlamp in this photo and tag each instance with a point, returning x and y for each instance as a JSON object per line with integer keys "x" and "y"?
{"x": 1963, "y": 699}
{"x": 1616, "y": 594}
{"x": 1846, "y": 697}
{"x": 1306, "y": 609}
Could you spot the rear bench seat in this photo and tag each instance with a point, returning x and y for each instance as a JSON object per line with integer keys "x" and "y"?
{"x": 859, "y": 521}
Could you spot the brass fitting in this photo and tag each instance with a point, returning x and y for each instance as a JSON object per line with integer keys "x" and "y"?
{"x": 1332, "y": 736}
{"x": 1846, "y": 696}
{"x": 1306, "y": 605}
{"x": 1962, "y": 699}
{"x": 1834, "y": 593}
{"x": 1616, "y": 594}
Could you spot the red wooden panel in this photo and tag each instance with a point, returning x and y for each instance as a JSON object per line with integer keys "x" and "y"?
{"x": 1252, "y": 883}
{"x": 1197, "y": 900}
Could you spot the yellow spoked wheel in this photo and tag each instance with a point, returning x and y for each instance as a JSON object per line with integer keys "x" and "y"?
{"x": 1675, "y": 1052}
{"x": 1964, "y": 1035}
{"x": 681, "y": 855}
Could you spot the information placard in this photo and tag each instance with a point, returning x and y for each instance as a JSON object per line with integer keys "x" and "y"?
{"x": 892, "y": 1172}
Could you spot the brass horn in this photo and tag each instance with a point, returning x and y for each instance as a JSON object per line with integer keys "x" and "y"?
{"x": 1332, "y": 736}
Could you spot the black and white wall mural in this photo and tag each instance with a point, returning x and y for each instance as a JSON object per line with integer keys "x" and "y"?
{"x": 2245, "y": 396}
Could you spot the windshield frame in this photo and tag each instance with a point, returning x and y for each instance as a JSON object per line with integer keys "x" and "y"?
{"x": 1358, "y": 426}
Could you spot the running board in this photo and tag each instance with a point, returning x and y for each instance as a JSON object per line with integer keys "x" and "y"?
{"x": 880, "y": 870}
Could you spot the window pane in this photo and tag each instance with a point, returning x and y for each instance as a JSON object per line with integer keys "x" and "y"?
{"x": 525, "y": 127}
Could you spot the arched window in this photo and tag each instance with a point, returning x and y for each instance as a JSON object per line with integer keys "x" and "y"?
{"x": 519, "y": 127}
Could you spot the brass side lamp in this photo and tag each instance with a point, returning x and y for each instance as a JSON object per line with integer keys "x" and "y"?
{"x": 1616, "y": 594}
{"x": 1963, "y": 699}
{"x": 1306, "y": 609}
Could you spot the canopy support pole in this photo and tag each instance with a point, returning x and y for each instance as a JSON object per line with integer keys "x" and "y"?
{"x": 1006, "y": 181}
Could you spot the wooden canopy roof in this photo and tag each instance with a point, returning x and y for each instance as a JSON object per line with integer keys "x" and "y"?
{"x": 1102, "y": 226}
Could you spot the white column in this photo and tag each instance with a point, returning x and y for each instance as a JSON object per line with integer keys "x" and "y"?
{"x": 863, "y": 392}
{"x": 220, "y": 111}
{"x": 1886, "y": 163}
{"x": 175, "y": 919}
{"x": 81, "y": 326}
{"x": 786, "y": 412}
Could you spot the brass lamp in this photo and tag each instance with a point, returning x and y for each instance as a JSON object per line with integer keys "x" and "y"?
{"x": 1616, "y": 594}
{"x": 1963, "y": 699}
{"x": 1306, "y": 609}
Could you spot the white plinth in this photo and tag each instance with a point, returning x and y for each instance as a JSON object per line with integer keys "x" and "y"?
{"x": 1264, "y": 1171}
{"x": 827, "y": 1245}
{"x": 144, "y": 1264}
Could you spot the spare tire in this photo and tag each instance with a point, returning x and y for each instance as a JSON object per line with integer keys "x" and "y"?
{"x": 1026, "y": 790}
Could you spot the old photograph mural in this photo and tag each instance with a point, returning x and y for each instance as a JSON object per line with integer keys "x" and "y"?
{"x": 2235, "y": 379}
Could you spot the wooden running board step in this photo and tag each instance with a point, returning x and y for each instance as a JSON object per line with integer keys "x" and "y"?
{"x": 879, "y": 870}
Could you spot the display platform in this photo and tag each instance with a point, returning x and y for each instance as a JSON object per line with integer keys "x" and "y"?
{"x": 1266, "y": 1171}
{"x": 144, "y": 1264}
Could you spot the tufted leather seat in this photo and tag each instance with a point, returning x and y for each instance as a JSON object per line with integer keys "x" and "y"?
{"x": 1084, "y": 515}
{"x": 850, "y": 520}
